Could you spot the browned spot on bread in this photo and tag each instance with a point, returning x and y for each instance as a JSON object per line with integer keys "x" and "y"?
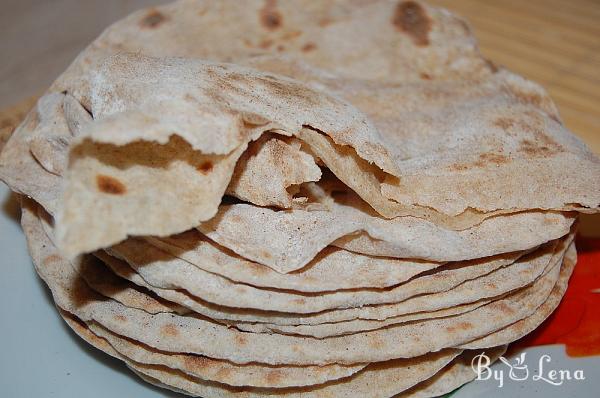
{"x": 376, "y": 343}
{"x": 542, "y": 137}
{"x": 325, "y": 22}
{"x": 412, "y": 19}
{"x": 110, "y": 185}
{"x": 287, "y": 90}
{"x": 205, "y": 167}
{"x": 120, "y": 318}
{"x": 462, "y": 326}
{"x": 290, "y": 35}
{"x": 257, "y": 269}
{"x": 265, "y": 254}
{"x": 265, "y": 43}
{"x": 539, "y": 144}
{"x": 458, "y": 167}
{"x": 300, "y": 301}
{"x": 240, "y": 339}
{"x": 170, "y": 330}
{"x": 465, "y": 325}
{"x": 274, "y": 376}
{"x": 223, "y": 373}
{"x": 535, "y": 150}
{"x": 51, "y": 258}
{"x": 485, "y": 159}
{"x": 425, "y": 76}
{"x": 504, "y": 123}
{"x": 528, "y": 98}
{"x": 197, "y": 362}
{"x": 280, "y": 48}
{"x": 270, "y": 18}
{"x": 309, "y": 47}
{"x": 494, "y": 158}
{"x": 236, "y": 219}
{"x": 505, "y": 308}
{"x": 153, "y": 19}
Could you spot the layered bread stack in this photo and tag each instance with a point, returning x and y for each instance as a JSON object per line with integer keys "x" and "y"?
{"x": 299, "y": 199}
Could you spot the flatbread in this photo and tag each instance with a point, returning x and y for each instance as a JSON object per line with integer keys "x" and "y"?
{"x": 498, "y": 140}
{"x": 237, "y": 317}
{"x": 96, "y": 276}
{"x": 25, "y": 174}
{"x": 390, "y": 377}
{"x": 207, "y": 368}
{"x": 437, "y": 92}
{"x": 324, "y": 330}
{"x": 174, "y": 333}
{"x": 183, "y": 159}
{"x": 395, "y": 376}
{"x": 270, "y": 171}
{"x": 11, "y": 117}
{"x": 109, "y": 285}
{"x": 527, "y": 325}
{"x": 458, "y": 174}
{"x": 496, "y": 283}
{"x": 226, "y": 372}
{"x": 165, "y": 271}
{"x": 455, "y": 374}
{"x": 471, "y": 294}
{"x": 288, "y": 240}
{"x": 320, "y": 275}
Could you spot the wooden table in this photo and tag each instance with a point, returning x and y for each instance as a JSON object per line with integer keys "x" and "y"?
{"x": 554, "y": 42}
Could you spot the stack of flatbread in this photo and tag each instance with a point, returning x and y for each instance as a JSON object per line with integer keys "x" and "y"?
{"x": 299, "y": 198}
